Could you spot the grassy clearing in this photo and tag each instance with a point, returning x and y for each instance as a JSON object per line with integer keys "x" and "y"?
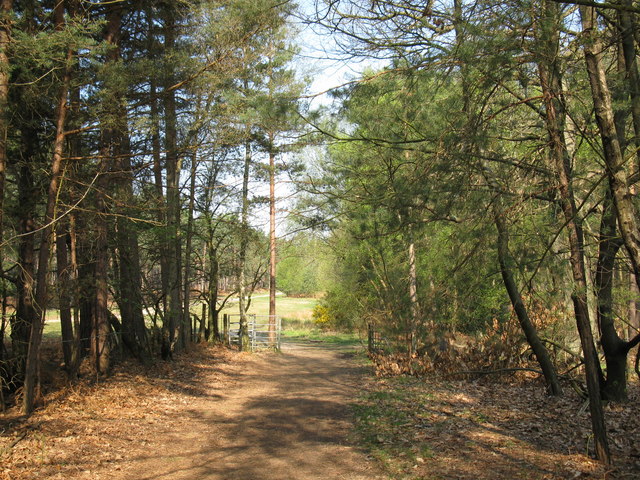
{"x": 52, "y": 330}
{"x": 295, "y": 312}
{"x": 289, "y": 308}
{"x": 312, "y": 334}
{"x": 51, "y": 326}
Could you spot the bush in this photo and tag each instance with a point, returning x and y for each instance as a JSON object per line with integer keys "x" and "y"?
{"x": 322, "y": 317}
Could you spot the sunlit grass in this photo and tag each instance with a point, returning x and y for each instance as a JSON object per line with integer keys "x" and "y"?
{"x": 296, "y": 313}
{"x": 290, "y": 308}
{"x": 314, "y": 334}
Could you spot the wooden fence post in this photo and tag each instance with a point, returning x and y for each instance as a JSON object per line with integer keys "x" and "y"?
{"x": 371, "y": 339}
{"x": 225, "y": 326}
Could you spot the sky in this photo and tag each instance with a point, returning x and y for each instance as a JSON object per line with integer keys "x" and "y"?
{"x": 321, "y": 59}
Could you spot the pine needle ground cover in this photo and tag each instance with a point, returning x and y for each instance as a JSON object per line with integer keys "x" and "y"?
{"x": 427, "y": 429}
{"x": 88, "y": 428}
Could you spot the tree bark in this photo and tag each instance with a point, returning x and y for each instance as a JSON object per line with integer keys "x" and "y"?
{"x": 86, "y": 285}
{"x": 187, "y": 252}
{"x": 613, "y": 158}
{"x": 6, "y": 7}
{"x": 550, "y": 80}
{"x": 173, "y": 316}
{"x": 529, "y": 329}
{"x": 100, "y": 345}
{"x": 272, "y": 246}
{"x": 614, "y": 386}
{"x": 413, "y": 295}
{"x": 627, "y": 28}
{"x": 129, "y": 299}
{"x": 213, "y": 329}
{"x": 69, "y": 350}
{"x": 35, "y": 339}
{"x": 242, "y": 255}
{"x": 25, "y": 286}
{"x": 506, "y": 269}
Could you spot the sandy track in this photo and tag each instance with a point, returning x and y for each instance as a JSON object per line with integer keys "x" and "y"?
{"x": 284, "y": 417}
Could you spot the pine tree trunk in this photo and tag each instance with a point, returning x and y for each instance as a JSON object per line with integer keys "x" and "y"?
{"x": 614, "y": 161}
{"x": 506, "y": 269}
{"x": 187, "y": 253}
{"x": 272, "y": 248}
{"x": 86, "y": 285}
{"x": 35, "y": 339}
{"x": 25, "y": 286}
{"x": 555, "y": 112}
{"x": 100, "y": 345}
{"x": 627, "y": 28}
{"x": 5, "y": 37}
{"x": 69, "y": 351}
{"x": 213, "y": 329}
{"x": 159, "y": 193}
{"x": 413, "y": 296}
{"x": 529, "y": 329}
{"x": 156, "y": 155}
{"x": 173, "y": 316}
{"x": 134, "y": 332}
{"x": 242, "y": 255}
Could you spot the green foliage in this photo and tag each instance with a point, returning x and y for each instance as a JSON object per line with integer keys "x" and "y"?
{"x": 302, "y": 265}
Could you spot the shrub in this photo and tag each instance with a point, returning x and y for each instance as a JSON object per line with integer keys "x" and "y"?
{"x": 322, "y": 317}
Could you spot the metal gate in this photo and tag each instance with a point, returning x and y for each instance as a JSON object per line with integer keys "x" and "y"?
{"x": 258, "y": 326}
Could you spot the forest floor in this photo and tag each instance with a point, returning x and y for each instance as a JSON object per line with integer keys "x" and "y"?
{"x": 212, "y": 414}
{"x": 312, "y": 412}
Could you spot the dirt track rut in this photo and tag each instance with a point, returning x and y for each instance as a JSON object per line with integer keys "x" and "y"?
{"x": 285, "y": 417}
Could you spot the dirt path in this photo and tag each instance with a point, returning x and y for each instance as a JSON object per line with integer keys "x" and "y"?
{"x": 284, "y": 417}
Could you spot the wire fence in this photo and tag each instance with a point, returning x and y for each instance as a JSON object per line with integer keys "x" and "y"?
{"x": 264, "y": 331}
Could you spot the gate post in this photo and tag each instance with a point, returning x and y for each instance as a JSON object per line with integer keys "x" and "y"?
{"x": 371, "y": 338}
{"x": 225, "y": 326}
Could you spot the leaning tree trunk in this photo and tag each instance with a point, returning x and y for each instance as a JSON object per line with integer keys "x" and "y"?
{"x": 613, "y": 158}
{"x": 35, "y": 339}
{"x": 506, "y": 269}
{"x": 549, "y": 72}
{"x": 504, "y": 257}
{"x": 529, "y": 329}
{"x": 615, "y": 348}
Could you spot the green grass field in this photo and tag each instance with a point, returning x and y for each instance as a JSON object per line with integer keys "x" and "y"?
{"x": 288, "y": 308}
{"x": 314, "y": 334}
{"x": 296, "y": 314}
